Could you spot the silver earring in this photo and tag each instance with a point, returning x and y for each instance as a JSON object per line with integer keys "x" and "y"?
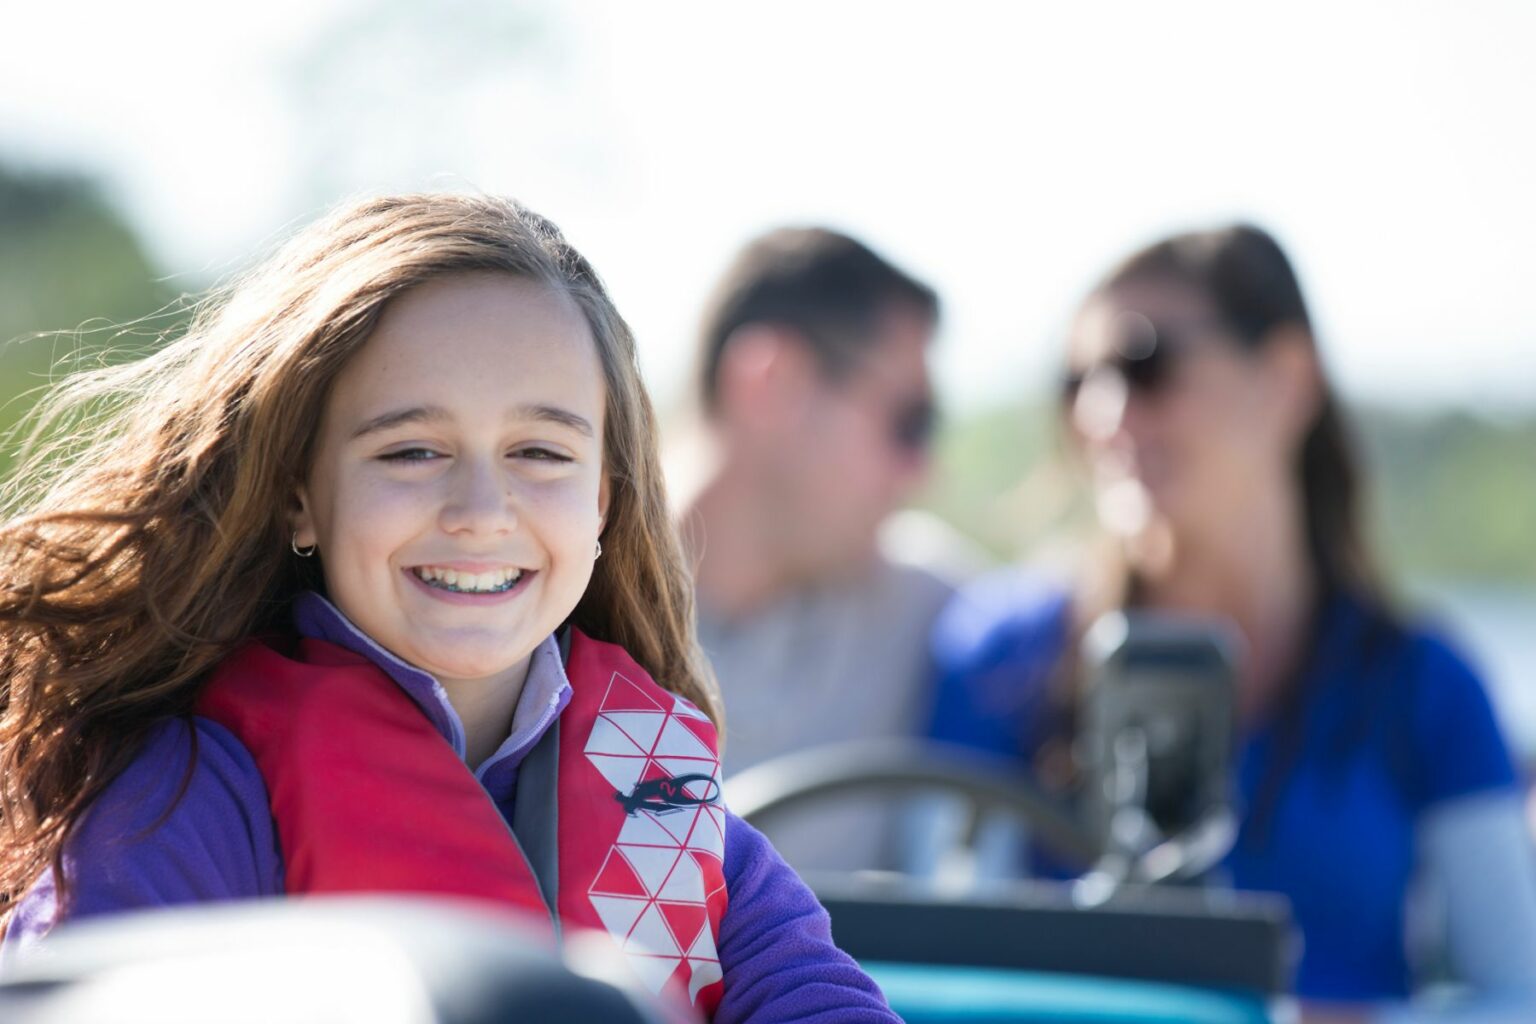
{"x": 599, "y": 551}
{"x": 302, "y": 552}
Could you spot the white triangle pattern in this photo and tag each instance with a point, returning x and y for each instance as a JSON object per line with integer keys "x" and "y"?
{"x": 678, "y": 741}
{"x": 645, "y": 830}
{"x": 641, "y": 726}
{"x": 608, "y": 738}
{"x": 705, "y": 972}
{"x": 619, "y": 913}
{"x": 621, "y": 772}
{"x": 653, "y": 864}
{"x": 703, "y": 947}
{"x": 655, "y": 844}
{"x": 684, "y": 882}
{"x": 676, "y": 826}
{"x": 651, "y": 934}
{"x": 682, "y": 708}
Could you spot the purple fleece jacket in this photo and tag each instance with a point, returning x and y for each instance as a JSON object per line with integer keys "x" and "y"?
{"x": 219, "y": 842}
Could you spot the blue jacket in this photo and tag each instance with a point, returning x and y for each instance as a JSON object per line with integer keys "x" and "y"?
{"x": 218, "y": 842}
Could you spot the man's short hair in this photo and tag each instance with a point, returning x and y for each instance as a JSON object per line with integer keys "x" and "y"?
{"x": 827, "y": 287}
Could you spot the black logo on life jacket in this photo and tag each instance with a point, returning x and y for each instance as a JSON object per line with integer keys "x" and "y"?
{"x": 663, "y": 796}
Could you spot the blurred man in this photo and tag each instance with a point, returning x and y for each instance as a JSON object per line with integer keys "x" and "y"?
{"x": 816, "y": 395}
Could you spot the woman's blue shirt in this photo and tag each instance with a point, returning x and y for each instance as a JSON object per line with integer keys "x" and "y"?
{"x": 1389, "y": 722}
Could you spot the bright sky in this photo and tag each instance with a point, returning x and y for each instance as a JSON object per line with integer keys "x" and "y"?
{"x": 1006, "y": 152}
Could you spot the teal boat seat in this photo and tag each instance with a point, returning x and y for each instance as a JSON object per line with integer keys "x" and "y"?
{"x": 941, "y": 994}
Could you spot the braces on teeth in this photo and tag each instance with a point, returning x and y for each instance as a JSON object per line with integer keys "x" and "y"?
{"x": 467, "y": 582}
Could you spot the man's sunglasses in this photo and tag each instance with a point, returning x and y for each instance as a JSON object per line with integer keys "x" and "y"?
{"x": 913, "y": 425}
{"x": 1143, "y": 354}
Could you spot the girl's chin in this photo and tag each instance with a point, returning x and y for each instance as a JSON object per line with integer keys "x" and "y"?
{"x": 460, "y": 665}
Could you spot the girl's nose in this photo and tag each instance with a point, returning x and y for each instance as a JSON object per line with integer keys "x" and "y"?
{"x": 480, "y": 500}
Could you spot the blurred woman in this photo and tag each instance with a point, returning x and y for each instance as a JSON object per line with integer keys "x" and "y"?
{"x": 1225, "y": 486}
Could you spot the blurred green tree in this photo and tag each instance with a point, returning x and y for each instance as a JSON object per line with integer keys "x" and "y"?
{"x": 76, "y": 287}
{"x": 1455, "y": 494}
{"x": 1452, "y": 496}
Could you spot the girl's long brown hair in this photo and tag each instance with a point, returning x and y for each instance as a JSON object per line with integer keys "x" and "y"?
{"x": 150, "y": 535}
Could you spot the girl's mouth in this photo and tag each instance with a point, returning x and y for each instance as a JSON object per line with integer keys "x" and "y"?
{"x": 496, "y": 581}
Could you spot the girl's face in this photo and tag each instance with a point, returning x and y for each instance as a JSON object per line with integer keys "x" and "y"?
{"x": 457, "y": 489}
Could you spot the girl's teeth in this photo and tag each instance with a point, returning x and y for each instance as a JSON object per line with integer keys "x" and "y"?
{"x": 469, "y": 582}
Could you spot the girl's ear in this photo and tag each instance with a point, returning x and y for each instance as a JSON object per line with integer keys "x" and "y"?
{"x": 602, "y": 504}
{"x": 301, "y": 521}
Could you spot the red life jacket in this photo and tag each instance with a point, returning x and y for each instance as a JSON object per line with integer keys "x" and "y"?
{"x": 369, "y": 797}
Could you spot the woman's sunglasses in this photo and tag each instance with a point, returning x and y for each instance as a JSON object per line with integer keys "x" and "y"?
{"x": 1143, "y": 354}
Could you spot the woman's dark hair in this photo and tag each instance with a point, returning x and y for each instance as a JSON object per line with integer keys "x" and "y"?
{"x": 1252, "y": 287}
{"x": 1248, "y": 280}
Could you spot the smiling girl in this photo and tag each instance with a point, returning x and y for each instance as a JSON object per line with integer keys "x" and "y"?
{"x": 367, "y": 583}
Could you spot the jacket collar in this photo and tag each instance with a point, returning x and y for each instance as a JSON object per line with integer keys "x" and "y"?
{"x": 545, "y": 694}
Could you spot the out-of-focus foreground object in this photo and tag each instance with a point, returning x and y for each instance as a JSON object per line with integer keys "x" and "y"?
{"x": 320, "y": 961}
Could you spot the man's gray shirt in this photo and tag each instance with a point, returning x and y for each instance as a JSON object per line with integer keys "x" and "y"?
{"x": 835, "y": 663}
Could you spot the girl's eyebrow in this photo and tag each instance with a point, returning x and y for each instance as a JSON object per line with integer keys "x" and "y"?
{"x": 398, "y": 417}
{"x": 555, "y": 414}
{"x": 438, "y": 414}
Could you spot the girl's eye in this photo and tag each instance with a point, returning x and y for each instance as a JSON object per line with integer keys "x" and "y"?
{"x": 542, "y": 455}
{"x": 410, "y": 455}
